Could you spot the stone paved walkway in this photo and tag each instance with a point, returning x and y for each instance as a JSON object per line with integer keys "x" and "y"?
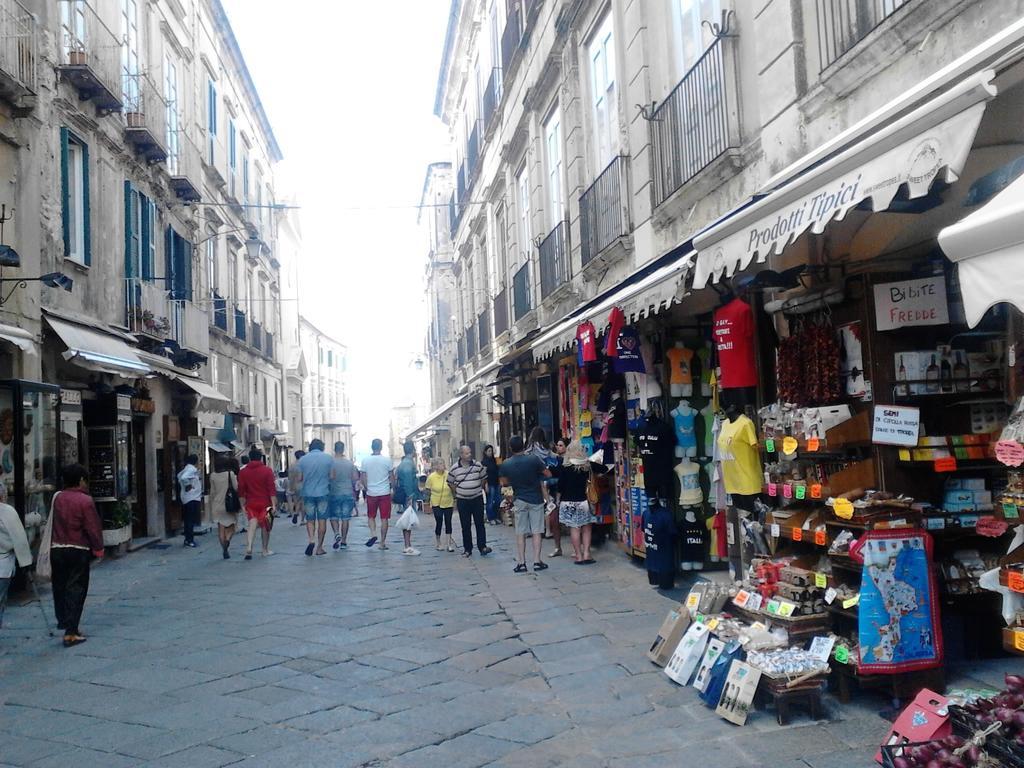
{"x": 364, "y": 657}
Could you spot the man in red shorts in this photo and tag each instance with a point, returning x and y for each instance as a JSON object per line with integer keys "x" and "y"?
{"x": 378, "y": 479}
{"x": 258, "y": 494}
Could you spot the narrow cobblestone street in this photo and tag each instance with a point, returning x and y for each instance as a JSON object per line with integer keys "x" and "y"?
{"x": 363, "y": 657}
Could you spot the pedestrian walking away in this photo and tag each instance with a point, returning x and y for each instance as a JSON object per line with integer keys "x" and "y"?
{"x": 342, "y": 500}
{"x": 295, "y": 489}
{"x": 490, "y": 462}
{"x": 190, "y": 493}
{"x": 441, "y": 503}
{"x": 315, "y": 478}
{"x": 574, "y": 512}
{"x": 224, "y": 499}
{"x": 407, "y": 484}
{"x": 77, "y": 538}
{"x": 526, "y": 474}
{"x": 554, "y": 464}
{"x": 259, "y": 499}
{"x": 377, "y": 478}
{"x": 468, "y": 481}
{"x": 14, "y": 547}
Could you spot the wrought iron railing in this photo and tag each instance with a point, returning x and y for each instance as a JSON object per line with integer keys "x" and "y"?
{"x": 501, "y": 311}
{"x": 147, "y": 309}
{"x": 268, "y": 345}
{"x": 844, "y": 23}
{"x": 521, "y": 298}
{"x": 460, "y": 189}
{"x": 89, "y": 46}
{"x": 483, "y": 329}
{"x": 492, "y": 96}
{"x": 604, "y": 210}
{"x": 696, "y": 123}
{"x": 191, "y": 327}
{"x": 471, "y": 348}
{"x": 472, "y": 151}
{"x": 144, "y": 106}
{"x": 461, "y": 351}
{"x": 453, "y": 216}
{"x": 184, "y": 164}
{"x": 19, "y": 44}
{"x": 220, "y": 312}
{"x": 554, "y": 259}
{"x": 240, "y": 328}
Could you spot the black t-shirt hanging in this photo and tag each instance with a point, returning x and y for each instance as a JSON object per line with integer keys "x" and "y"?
{"x": 659, "y": 533}
{"x": 656, "y": 446}
{"x": 629, "y": 359}
{"x": 692, "y": 547}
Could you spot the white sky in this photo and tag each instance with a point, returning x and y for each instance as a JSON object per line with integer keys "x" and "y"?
{"x": 348, "y": 86}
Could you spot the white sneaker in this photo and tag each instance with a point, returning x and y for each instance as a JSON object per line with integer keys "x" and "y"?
{"x": 412, "y": 551}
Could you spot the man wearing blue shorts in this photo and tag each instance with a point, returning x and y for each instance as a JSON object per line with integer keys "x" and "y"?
{"x": 342, "y": 500}
{"x": 315, "y": 477}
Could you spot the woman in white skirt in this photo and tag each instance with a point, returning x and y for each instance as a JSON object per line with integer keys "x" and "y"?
{"x": 574, "y": 511}
{"x": 223, "y": 477}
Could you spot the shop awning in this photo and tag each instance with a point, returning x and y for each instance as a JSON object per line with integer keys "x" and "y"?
{"x": 657, "y": 291}
{"x": 95, "y": 350}
{"x": 906, "y": 156}
{"x": 477, "y": 379}
{"x": 23, "y": 340}
{"x": 437, "y": 415}
{"x": 988, "y": 248}
{"x": 219, "y": 447}
{"x": 210, "y": 398}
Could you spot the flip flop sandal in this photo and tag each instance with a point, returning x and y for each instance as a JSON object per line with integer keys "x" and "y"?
{"x": 248, "y": 555}
{"x": 71, "y": 640}
{"x": 520, "y": 568}
{"x": 540, "y": 566}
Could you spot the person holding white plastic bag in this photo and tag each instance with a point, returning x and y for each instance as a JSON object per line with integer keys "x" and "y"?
{"x": 14, "y": 548}
{"x": 406, "y": 523}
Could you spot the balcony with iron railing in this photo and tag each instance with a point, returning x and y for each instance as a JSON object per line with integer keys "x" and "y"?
{"x": 483, "y": 330}
{"x": 472, "y": 153}
{"x": 501, "y": 311}
{"x": 604, "y": 210}
{"x": 90, "y": 55}
{"x": 215, "y": 160}
{"x": 19, "y": 49}
{"x": 511, "y": 37}
{"x": 191, "y": 327}
{"x": 460, "y": 190}
{"x": 185, "y": 166}
{"x": 145, "y": 118}
{"x": 219, "y": 316}
{"x": 147, "y": 309}
{"x": 522, "y": 301}
{"x": 697, "y": 122}
{"x": 460, "y": 356}
{"x": 453, "y": 215}
{"x": 268, "y": 345}
{"x": 256, "y": 335}
{"x": 471, "y": 347}
{"x": 844, "y": 23}
{"x": 492, "y": 97}
{"x": 554, "y": 260}
{"x": 240, "y": 324}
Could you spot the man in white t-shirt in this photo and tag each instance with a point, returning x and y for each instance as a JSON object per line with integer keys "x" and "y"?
{"x": 378, "y": 479}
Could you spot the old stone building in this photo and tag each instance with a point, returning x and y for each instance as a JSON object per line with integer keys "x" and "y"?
{"x": 139, "y": 164}
{"x": 593, "y": 140}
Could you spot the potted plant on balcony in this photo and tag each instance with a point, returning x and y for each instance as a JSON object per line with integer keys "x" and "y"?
{"x": 117, "y": 529}
{"x": 136, "y": 119}
{"x": 78, "y": 58}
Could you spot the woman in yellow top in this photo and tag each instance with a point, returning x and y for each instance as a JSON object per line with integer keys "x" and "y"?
{"x": 440, "y": 502}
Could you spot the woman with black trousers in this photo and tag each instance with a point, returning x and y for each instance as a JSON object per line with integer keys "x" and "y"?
{"x": 76, "y": 539}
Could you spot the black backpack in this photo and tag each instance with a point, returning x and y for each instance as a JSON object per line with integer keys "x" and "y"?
{"x": 231, "y": 502}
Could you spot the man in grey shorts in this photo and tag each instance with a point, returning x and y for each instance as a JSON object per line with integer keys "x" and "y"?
{"x": 526, "y": 474}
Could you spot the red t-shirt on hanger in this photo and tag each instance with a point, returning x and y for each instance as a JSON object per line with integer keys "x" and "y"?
{"x": 615, "y": 322}
{"x": 734, "y": 341}
{"x": 586, "y": 338}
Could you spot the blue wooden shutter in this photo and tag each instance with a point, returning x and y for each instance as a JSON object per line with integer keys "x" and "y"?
{"x": 86, "y": 222}
{"x": 169, "y": 259}
{"x": 65, "y": 192}
{"x": 186, "y": 269}
{"x": 129, "y": 262}
{"x": 148, "y": 238}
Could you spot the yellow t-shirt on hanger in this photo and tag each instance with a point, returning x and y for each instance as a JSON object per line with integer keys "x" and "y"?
{"x": 741, "y": 461}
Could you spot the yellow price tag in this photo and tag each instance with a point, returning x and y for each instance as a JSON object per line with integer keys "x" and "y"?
{"x": 855, "y": 600}
{"x": 1018, "y": 641}
{"x": 712, "y": 624}
{"x": 692, "y": 600}
{"x": 843, "y": 508}
{"x": 820, "y": 580}
{"x": 789, "y": 444}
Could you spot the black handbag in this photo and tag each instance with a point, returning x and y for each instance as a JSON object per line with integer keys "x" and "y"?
{"x": 232, "y": 503}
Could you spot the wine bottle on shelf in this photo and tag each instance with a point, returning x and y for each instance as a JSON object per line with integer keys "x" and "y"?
{"x": 931, "y": 377}
{"x": 960, "y": 374}
{"x": 902, "y": 390}
{"x": 946, "y": 374}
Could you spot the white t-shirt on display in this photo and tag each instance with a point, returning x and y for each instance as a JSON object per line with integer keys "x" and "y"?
{"x": 377, "y": 469}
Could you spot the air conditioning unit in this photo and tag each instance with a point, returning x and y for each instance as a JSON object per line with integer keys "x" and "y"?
{"x": 252, "y": 433}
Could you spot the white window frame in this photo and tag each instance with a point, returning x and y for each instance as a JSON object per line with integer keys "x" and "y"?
{"x": 553, "y": 160}
{"x": 130, "y": 55}
{"x": 77, "y": 174}
{"x": 523, "y": 230}
{"x": 692, "y": 37}
{"x": 173, "y": 115}
{"x": 604, "y": 103}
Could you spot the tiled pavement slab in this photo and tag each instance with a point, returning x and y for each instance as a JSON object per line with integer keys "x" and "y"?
{"x": 369, "y": 658}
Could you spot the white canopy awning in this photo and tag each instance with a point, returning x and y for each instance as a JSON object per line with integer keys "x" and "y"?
{"x": 659, "y": 290}
{"x": 210, "y": 398}
{"x": 931, "y": 142}
{"x": 23, "y": 340}
{"x": 988, "y": 248}
{"x": 437, "y": 415}
{"x": 95, "y": 350}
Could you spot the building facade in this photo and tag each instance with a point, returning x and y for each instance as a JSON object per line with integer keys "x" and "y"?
{"x": 592, "y": 140}
{"x": 325, "y": 391}
{"x": 140, "y": 168}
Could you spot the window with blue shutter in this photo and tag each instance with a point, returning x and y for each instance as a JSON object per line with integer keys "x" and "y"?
{"x": 149, "y": 224}
{"x": 211, "y": 119}
{"x": 179, "y": 266}
{"x": 74, "y": 167}
{"x": 132, "y": 231}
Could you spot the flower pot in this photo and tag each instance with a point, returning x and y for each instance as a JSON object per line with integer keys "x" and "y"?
{"x": 114, "y": 536}
{"x": 136, "y": 119}
{"x": 78, "y": 58}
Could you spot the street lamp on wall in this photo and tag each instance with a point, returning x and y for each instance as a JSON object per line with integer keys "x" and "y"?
{"x": 50, "y": 279}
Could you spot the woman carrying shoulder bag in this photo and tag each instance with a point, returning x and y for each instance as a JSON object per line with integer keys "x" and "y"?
{"x": 224, "y": 499}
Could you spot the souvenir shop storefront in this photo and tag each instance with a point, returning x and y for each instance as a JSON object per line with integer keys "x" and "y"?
{"x": 826, "y": 398}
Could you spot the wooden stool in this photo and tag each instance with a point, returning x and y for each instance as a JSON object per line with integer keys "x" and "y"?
{"x": 807, "y": 694}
